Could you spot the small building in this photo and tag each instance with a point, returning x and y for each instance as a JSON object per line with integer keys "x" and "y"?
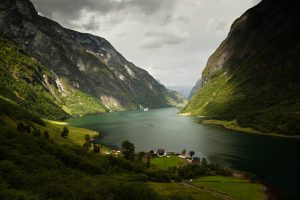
{"x": 161, "y": 152}
{"x": 196, "y": 160}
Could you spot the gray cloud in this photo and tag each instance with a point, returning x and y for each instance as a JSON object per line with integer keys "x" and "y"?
{"x": 91, "y": 25}
{"x": 172, "y": 39}
{"x": 71, "y": 9}
{"x": 216, "y": 25}
{"x": 158, "y": 39}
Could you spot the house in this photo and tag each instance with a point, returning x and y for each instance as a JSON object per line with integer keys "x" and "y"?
{"x": 196, "y": 160}
{"x": 161, "y": 152}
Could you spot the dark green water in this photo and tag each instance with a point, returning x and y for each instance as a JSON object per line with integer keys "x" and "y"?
{"x": 274, "y": 160}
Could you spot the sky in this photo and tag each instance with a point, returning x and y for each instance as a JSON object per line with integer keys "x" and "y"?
{"x": 171, "y": 39}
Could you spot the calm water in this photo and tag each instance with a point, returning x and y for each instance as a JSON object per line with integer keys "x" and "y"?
{"x": 274, "y": 160}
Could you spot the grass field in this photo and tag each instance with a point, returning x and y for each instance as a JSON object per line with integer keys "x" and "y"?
{"x": 177, "y": 191}
{"x": 235, "y": 187}
{"x": 230, "y": 125}
{"x": 75, "y": 136}
{"x": 167, "y": 162}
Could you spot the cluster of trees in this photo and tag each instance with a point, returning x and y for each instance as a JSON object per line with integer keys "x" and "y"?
{"x": 204, "y": 169}
{"x": 191, "y": 153}
{"x": 89, "y": 142}
{"x": 23, "y": 128}
{"x": 129, "y": 154}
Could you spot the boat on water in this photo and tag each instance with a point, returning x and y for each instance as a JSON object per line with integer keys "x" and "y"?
{"x": 145, "y": 109}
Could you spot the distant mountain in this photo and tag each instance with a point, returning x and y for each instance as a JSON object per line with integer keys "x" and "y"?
{"x": 195, "y": 88}
{"x": 254, "y": 75}
{"x": 87, "y": 71}
{"x": 183, "y": 90}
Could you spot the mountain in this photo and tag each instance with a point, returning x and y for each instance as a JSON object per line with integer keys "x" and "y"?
{"x": 253, "y": 77}
{"x": 81, "y": 73}
{"x": 195, "y": 88}
{"x": 183, "y": 90}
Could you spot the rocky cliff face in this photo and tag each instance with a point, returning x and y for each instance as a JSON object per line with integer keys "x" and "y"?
{"x": 254, "y": 75}
{"x": 82, "y": 62}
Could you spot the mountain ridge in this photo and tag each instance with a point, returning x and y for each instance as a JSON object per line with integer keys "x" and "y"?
{"x": 253, "y": 76}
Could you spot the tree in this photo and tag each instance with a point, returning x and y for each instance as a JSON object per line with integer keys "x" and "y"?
{"x": 183, "y": 152}
{"x": 36, "y": 132}
{"x": 128, "y": 150}
{"x": 46, "y": 135}
{"x": 65, "y": 132}
{"x": 23, "y": 128}
{"x": 149, "y": 155}
{"x": 141, "y": 156}
{"x": 96, "y": 149}
{"x": 151, "y": 152}
{"x": 192, "y": 153}
{"x": 87, "y": 137}
{"x": 204, "y": 162}
{"x": 86, "y": 146}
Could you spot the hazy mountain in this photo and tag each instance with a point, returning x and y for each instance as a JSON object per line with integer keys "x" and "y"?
{"x": 183, "y": 90}
{"x": 195, "y": 88}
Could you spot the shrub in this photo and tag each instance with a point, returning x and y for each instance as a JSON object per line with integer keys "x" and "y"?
{"x": 65, "y": 132}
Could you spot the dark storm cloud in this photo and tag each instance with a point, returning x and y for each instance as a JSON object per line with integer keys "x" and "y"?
{"x": 71, "y": 9}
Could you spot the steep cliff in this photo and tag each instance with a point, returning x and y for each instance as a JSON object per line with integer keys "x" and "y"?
{"x": 254, "y": 75}
{"x": 84, "y": 64}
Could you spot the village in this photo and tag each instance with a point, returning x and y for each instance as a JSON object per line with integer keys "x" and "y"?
{"x": 158, "y": 159}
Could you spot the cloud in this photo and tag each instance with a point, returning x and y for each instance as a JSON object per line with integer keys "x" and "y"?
{"x": 92, "y": 24}
{"x": 158, "y": 39}
{"x": 216, "y": 25}
{"x": 71, "y": 9}
{"x": 171, "y": 38}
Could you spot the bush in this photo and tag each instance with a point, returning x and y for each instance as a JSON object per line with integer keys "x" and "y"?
{"x": 46, "y": 135}
{"x": 23, "y": 128}
{"x": 65, "y": 132}
{"x": 38, "y": 121}
{"x": 36, "y": 132}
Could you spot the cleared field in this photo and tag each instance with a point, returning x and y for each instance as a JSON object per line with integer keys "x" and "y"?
{"x": 178, "y": 191}
{"x": 75, "y": 136}
{"x": 167, "y": 162}
{"x": 234, "y": 187}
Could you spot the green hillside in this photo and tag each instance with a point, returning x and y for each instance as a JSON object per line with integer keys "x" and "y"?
{"x": 26, "y": 82}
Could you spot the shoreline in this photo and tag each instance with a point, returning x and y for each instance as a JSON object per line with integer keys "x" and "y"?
{"x": 233, "y": 126}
